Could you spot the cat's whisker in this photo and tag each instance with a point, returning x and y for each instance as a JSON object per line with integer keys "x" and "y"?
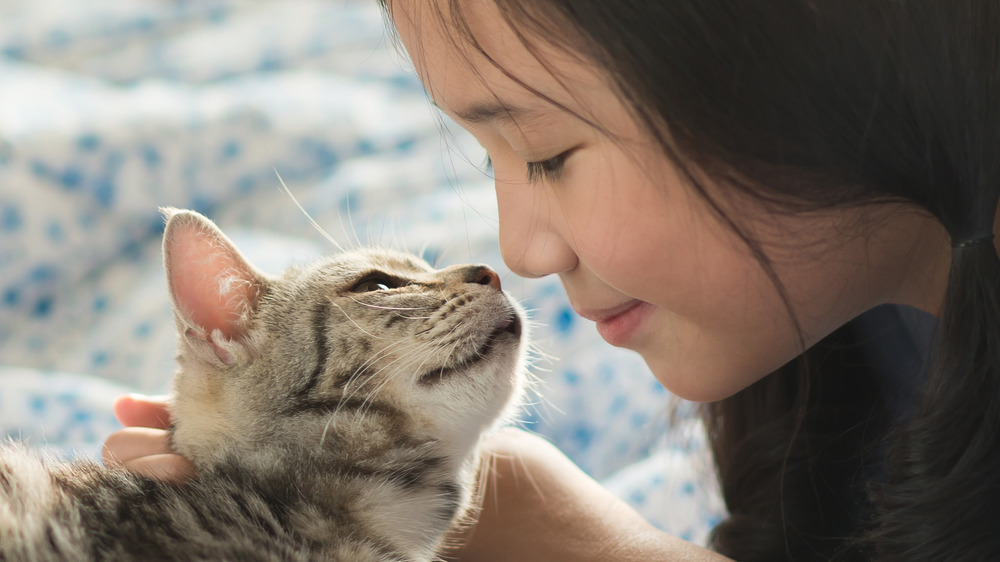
{"x": 423, "y": 252}
{"x": 326, "y": 428}
{"x": 356, "y": 325}
{"x": 406, "y": 346}
{"x": 397, "y": 309}
{"x": 401, "y": 347}
{"x": 333, "y": 416}
{"x": 348, "y": 396}
{"x": 371, "y": 361}
{"x": 445, "y": 251}
{"x": 312, "y": 221}
{"x": 373, "y": 392}
{"x": 353, "y": 232}
{"x": 378, "y": 307}
{"x": 488, "y": 479}
{"x": 539, "y": 490}
{"x": 424, "y": 348}
{"x": 536, "y": 354}
{"x": 430, "y": 350}
{"x": 436, "y": 351}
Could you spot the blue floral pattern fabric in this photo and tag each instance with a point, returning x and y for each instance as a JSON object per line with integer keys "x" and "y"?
{"x": 110, "y": 109}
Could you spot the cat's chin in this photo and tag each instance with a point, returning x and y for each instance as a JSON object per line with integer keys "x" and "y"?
{"x": 463, "y": 437}
{"x": 503, "y": 338}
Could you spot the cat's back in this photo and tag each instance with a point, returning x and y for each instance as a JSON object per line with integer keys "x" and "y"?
{"x": 84, "y": 511}
{"x": 37, "y": 521}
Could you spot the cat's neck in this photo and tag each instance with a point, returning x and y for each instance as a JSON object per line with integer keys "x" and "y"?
{"x": 385, "y": 494}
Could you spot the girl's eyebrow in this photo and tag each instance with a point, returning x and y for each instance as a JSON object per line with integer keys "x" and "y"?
{"x": 490, "y": 112}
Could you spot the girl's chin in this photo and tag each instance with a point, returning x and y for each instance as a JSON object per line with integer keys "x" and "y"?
{"x": 705, "y": 384}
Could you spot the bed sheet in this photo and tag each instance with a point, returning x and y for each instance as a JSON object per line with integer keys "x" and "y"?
{"x": 110, "y": 109}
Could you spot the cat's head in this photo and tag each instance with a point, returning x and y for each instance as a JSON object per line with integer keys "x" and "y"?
{"x": 355, "y": 354}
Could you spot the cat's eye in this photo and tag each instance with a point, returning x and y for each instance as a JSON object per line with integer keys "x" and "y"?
{"x": 370, "y": 286}
{"x": 374, "y": 283}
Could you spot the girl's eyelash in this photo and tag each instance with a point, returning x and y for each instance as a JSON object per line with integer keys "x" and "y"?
{"x": 548, "y": 169}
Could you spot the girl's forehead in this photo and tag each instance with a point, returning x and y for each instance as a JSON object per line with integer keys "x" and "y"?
{"x": 475, "y": 65}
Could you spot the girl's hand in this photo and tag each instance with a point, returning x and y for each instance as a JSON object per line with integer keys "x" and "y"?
{"x": 144, "y": 446}
{"x": 538, "y": 505}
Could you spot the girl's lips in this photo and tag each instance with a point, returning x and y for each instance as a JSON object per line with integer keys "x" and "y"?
{"x": 617, "y": 325}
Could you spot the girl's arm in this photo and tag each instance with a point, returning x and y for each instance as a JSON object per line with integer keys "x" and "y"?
{"x": 538, "y": 505}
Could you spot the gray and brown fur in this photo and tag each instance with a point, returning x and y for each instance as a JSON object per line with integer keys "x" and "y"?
{"x": 333, "y": 412}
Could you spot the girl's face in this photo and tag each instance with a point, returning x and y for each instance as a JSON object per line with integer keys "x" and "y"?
{"x": 585, "y": 194}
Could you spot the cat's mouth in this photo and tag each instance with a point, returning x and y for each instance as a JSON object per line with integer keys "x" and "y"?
{"x": 510, "y": 326}
{"x": 505, "y": 329}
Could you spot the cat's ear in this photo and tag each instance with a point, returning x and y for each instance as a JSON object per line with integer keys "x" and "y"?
{"x": 215, "y": 291}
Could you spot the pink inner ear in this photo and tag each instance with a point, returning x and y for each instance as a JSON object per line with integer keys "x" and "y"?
{"x": 211, "y": 283}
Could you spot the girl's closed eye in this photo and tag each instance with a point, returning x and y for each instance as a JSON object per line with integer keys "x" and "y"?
{"x": 548, "y": 169}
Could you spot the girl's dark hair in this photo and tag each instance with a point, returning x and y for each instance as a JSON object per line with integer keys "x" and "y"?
{"x": 818, "y": 104}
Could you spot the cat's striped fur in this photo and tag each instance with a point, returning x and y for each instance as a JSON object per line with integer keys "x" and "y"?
{"x": 333, "y": 412}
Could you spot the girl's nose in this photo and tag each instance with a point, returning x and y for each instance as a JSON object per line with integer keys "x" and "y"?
{"x": 532, "y": 239}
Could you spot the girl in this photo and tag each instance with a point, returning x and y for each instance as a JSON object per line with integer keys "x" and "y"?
{"x": 787, "y": 208}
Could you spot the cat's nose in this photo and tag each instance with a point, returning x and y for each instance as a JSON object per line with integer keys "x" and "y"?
{"x": 482, "y": 275}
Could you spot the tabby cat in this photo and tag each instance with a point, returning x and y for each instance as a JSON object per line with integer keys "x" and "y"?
{"x": 333, "y": 412}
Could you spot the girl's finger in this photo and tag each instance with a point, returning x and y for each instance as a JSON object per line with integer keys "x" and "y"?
{"x": 170, "y": 468}
{"x": 131, "y": 443}
{"x": 142, "y": 411}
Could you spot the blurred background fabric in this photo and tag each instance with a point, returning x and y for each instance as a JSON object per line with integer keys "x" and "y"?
{"x": 110, "y": 109}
